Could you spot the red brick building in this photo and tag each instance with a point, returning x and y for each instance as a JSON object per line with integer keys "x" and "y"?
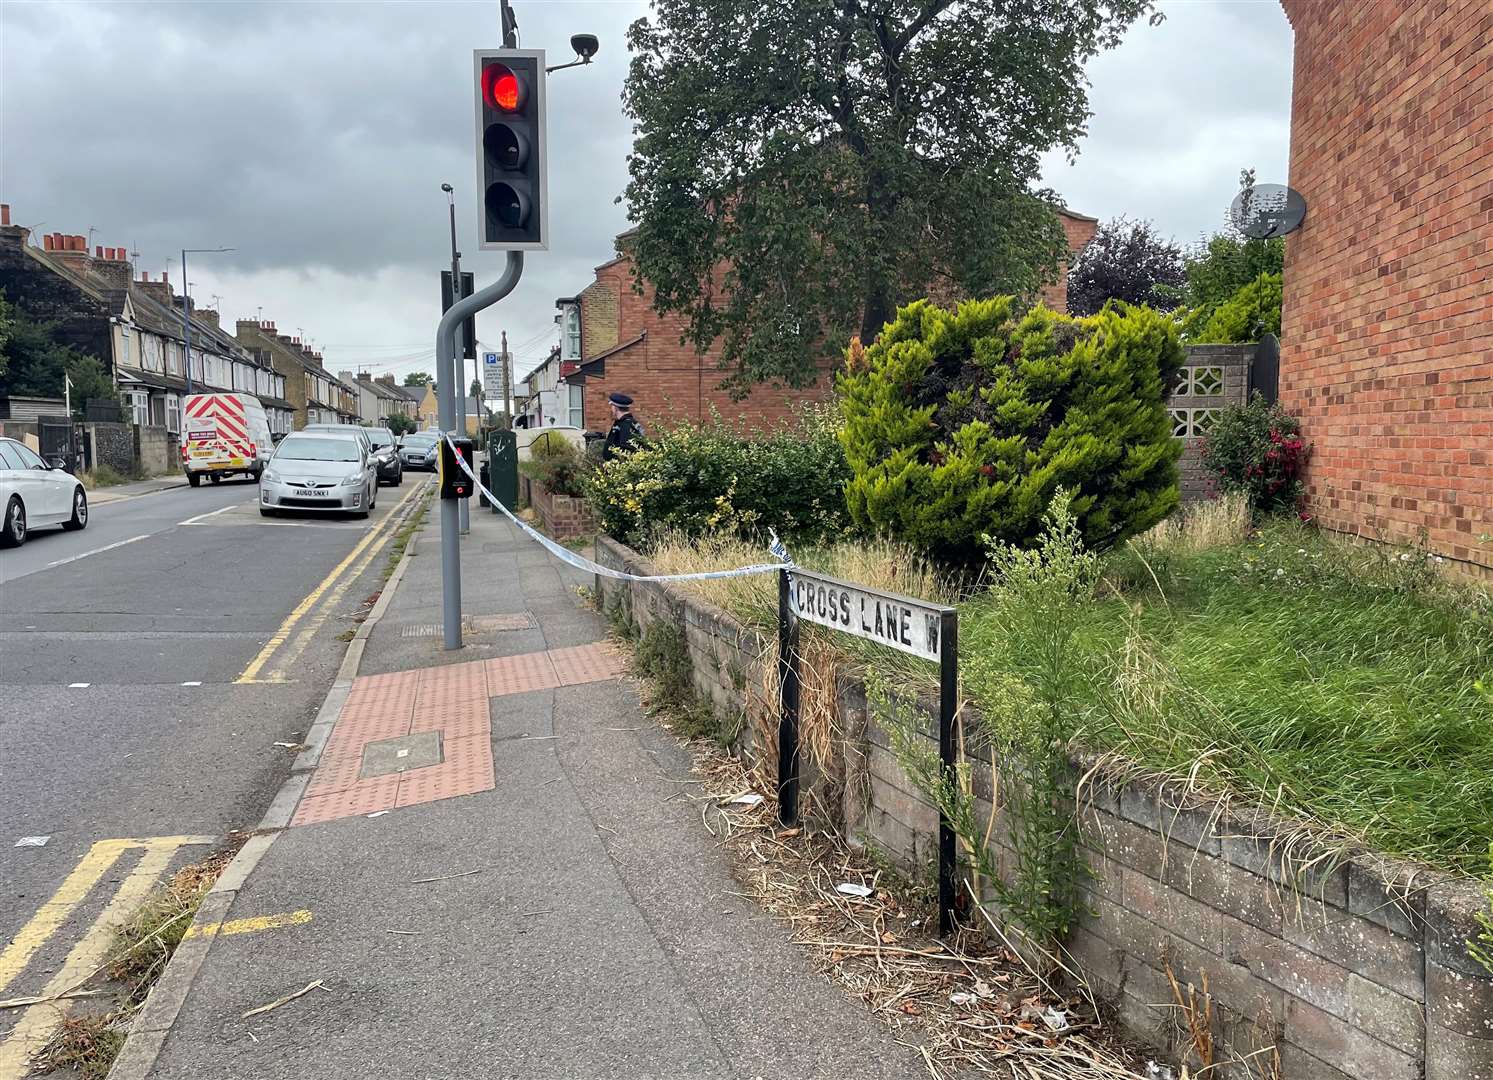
{"x": 613, "y": 340}
{"x": 1387, "y": 339}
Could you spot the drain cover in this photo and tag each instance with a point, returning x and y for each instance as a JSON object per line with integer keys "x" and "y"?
{"x": 475, "y": 624}
{"x": 389, "y": 756}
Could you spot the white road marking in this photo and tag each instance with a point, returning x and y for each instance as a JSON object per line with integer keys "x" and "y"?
{"x": 191, "y": 684}
{"x": 79, "y": 685}
{"x": 98, "y": 551}
{"x": 33, "y": 841}
{"x": 211, "y": 513}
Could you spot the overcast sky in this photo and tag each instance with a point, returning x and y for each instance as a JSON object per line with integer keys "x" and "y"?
{"x": 314, "y": 138}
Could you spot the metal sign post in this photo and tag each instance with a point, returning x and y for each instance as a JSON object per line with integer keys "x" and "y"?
{"x": 928, "y": 631}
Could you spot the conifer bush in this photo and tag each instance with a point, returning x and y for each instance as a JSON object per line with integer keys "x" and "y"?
{"x": 961, "y": 424}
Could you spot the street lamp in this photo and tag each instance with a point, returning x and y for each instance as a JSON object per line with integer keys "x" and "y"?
{"x": 186, "y": 304}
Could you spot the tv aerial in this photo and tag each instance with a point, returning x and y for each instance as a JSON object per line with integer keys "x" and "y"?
{"x": 1263, "y": 211}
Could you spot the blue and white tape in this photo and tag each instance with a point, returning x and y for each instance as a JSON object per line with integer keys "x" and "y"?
{"x": 580, "y": 562}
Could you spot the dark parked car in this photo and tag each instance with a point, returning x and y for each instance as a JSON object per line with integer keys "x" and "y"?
{"x": 414, "y": 450}
{"x": 386, "y": 453}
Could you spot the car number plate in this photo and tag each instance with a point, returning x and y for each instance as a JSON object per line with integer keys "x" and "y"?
{"x": 310, "y": 493}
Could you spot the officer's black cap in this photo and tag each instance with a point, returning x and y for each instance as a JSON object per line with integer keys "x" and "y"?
{"x": 622, "y": 401}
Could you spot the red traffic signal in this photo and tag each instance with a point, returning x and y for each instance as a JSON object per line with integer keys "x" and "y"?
{"x": 502, "y": 88}
{"x": 510, "y": 92}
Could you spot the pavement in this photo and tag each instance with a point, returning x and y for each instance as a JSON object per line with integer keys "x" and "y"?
{"x": 133, "y": 490}
{"x": 527, "y": 899}
{"x": 131, "y": 740}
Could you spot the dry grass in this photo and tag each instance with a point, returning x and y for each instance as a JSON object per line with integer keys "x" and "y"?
{"x": 87, "y": 1044}
{"x": 961, "y": 1004}
{"x": 1198, "y": 527}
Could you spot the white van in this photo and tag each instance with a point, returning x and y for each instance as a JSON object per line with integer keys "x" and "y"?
{"x": 223, "y": 434}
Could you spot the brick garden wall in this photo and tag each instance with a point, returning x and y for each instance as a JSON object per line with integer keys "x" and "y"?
{"x": 561, "y": 516}
{"x": 1387, "y": 339}
{"x": 1351, "y": 968}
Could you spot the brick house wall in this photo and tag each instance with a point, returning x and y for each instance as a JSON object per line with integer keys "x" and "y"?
{"x": 1080, "y": 229}
{"x": 262, "y": 339}
{"x": 1387, "y": 338}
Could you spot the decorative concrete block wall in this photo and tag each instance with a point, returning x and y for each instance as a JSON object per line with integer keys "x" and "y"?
{"x": 1213, "y": 377}
{"x": 1347, "y": 968}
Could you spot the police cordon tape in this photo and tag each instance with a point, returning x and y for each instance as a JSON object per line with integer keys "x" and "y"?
{"x": 580, "y": 562}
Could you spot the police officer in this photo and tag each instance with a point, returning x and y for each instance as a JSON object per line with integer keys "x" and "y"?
{"x": 626, "y": 431}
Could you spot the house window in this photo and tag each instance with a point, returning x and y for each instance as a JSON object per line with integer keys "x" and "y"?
{"x": 138, "y": 402}
{"x": 572, "y": 332}
{"x": 577, "y": 408}
{"x": 173, "y": 413}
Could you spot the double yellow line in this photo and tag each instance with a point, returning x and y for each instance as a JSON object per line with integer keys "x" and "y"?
{"x": 335, "y": 583}
{"x": 38, "y": 1022}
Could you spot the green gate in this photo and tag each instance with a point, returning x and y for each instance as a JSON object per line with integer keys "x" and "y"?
{"x": 502, "y": 467}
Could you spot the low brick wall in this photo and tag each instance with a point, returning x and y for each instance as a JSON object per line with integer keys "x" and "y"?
{"x": 1351, "y": 968}
{"x": 562, "y": 516}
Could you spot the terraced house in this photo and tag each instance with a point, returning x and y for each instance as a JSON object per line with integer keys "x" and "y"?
{"x": 133, "y": 326}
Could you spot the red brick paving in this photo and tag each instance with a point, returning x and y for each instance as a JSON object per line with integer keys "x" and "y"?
{"x": 452, "y": 699}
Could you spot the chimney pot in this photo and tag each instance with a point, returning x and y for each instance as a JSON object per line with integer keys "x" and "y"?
{"x": 98, "y": 251}
{"x": 144, "y": 275}
{"x": 4, "y": 213}
{"x": 164, "y": 277}
{"x": 80, "y": 243}
{"x": 46, "y": 242}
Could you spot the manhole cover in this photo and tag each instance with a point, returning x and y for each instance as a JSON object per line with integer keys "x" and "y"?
{"x": 475, "y": 624}
{"x": 389, "y": 756}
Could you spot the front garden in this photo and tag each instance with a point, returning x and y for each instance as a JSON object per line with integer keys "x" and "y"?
{"x": 1240, "y": 652}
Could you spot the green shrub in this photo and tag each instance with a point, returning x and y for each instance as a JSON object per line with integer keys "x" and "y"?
{"x": 1248, "y": 315}
{"x": 558, "y": 464}
{"x": 702, "y": 479}
{"x": 962, "y": 424}
{"x": 1256, "y": 449}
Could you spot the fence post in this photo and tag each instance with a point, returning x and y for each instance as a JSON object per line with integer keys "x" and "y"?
{"x": 948, "y": 709}
{"x": 788, "y": 702}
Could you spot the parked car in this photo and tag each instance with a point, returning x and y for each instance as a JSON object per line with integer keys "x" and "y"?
{"x": 357, "y": 432}
{"x": 223, "y": 435}
{"x": 416, "y": 450}
{"x": 33, "y": 493}
{"x": 390, "y": 467}
{"x": 319, "y": 471}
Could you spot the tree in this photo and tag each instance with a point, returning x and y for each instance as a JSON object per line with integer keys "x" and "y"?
{"x": 961, "y": 426}
{"x": 843, "y": 157}
{"x": 417, "y": 378}
{"x": 1129, "y": 261}
{"x": 33, "y": 362}
{"x": 1248, "y": 315}
{"x": 401, "y": 424}
{"x": 476, "y": 388}
{"x": 1219, "y": 266}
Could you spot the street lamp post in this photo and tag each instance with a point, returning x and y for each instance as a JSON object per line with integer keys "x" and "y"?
{"x": 186, "y": 305}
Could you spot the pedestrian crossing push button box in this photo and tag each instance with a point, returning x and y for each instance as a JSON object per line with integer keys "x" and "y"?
{"x": 455, "y": 483}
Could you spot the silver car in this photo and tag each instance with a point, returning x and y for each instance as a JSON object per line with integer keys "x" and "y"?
{"x": 415, "y": 450}
{"x": 327, "y": 472}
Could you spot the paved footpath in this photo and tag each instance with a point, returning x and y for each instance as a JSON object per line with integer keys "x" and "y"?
{"x": 527, "y": 902}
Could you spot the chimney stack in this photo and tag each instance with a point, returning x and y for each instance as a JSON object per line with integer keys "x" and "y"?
{"x": 46, "y": 242}
{"x": 4, "y": 213}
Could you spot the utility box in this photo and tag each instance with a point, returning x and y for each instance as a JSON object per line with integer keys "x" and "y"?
{"x": 502, "y": 467}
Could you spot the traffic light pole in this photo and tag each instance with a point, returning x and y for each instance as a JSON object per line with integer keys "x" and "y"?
{"x": 461, "y": 397}
{"x": 446, "y": 348}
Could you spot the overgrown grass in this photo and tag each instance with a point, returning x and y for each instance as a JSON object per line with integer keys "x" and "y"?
{"x": 145, "y": 943}
{"x": 1331, "y": 683}
{"x": 87, "y": 1044}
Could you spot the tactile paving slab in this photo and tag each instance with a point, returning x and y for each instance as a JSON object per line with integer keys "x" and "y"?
{"x": 449, "y": 701}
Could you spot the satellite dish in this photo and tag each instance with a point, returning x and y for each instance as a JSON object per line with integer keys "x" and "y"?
{"x": 1262, "y": 211}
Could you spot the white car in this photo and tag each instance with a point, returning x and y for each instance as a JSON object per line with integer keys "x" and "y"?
{"x": 33, "y": 494}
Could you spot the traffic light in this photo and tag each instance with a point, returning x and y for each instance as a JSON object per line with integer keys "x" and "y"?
{"x": 513, "y": 213}
{"x": 454, "y": 482}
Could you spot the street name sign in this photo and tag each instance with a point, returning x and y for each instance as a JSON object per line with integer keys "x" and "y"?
{"x": 898, "y": 622}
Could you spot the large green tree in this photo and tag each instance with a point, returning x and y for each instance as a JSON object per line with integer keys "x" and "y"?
{"x": 803, "y": 167}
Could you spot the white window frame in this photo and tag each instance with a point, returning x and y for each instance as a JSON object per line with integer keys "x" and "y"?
{"x": 173, "y": 413}
{"x": 138, "y": 402}
{"x": 577, "y": 405}
{"x": 571, "y": 348}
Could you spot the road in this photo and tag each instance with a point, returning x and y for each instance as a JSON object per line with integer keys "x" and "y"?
{"x": 148, "y": 666}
